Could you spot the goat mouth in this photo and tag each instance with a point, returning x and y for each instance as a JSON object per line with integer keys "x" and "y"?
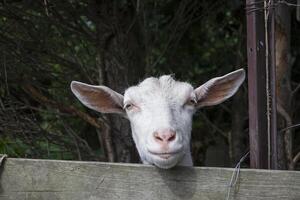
{"x": 164, "y": 155}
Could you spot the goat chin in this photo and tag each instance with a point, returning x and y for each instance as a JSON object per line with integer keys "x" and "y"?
{"x": 165, "y": 163}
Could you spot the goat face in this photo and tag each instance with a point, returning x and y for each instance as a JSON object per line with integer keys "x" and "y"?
{"x": 160, "y": 112}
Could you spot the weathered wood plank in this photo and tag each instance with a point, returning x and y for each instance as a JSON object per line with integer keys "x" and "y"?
{"x": 23, "y": 179}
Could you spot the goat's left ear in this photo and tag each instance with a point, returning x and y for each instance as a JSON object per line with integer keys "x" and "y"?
{"x": 219, "y": 89}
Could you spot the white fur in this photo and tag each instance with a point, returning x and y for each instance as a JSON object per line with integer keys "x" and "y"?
{"x": 163, "y": 103}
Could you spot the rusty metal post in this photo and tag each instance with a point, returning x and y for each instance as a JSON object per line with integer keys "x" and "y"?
{"x": 256, "y": 45}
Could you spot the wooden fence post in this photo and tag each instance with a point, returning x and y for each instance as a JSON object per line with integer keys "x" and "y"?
{"x": 256, "y": 85}
{"x": 261, "y": 80}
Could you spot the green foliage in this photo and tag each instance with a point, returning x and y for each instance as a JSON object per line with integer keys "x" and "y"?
{"x": 14, "y": 148}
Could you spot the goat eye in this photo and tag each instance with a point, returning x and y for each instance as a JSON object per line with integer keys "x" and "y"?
{"x": 128, "y": 106}
{"x": 191, "y": 102}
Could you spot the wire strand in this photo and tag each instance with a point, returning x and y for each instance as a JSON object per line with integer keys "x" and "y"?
{"x": 235, "y": 175}
{"x": 252, "y": 6}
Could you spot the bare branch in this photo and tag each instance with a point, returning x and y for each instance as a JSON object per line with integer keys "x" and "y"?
{"x": 63, "y": 108}
{"x": 288, "y": 132}
{"x": 70, "y": 109}
{"x": 295, "y": 161}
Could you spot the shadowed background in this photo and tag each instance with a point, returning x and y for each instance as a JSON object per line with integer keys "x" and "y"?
{"x": 46, "y": 44}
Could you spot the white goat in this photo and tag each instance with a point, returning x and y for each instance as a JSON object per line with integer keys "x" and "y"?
{"x": 160, "y": 112}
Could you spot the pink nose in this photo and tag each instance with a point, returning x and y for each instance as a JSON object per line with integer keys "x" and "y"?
{"x": 165, "y": 136}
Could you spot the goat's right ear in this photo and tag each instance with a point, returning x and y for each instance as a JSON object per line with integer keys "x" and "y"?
{"x": 99, "y": 98}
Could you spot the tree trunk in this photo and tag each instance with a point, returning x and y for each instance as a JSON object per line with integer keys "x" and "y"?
{"x": 120, "y": 63}
{"x": 236, "y": 137}
{"x": 283, "y": 86}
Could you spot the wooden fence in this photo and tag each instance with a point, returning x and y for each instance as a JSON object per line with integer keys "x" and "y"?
{"x": 28, "y": 179}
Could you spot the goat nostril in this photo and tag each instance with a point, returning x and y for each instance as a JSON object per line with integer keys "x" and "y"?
{"x": 172, "y": 138}
{"x": 158, "y": 138}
